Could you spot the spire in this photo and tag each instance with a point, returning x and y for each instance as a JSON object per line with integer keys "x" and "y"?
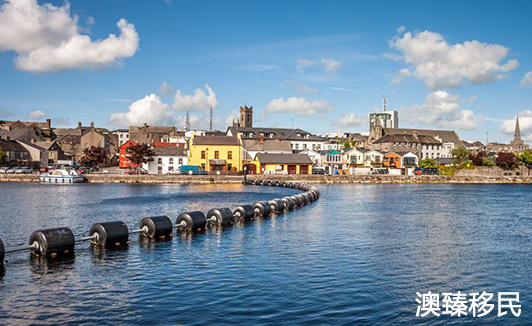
{"x": 517, "y": 133}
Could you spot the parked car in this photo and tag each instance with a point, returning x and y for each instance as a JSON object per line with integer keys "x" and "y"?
{"x": 43, "y": 169}
{"x": 3, "y": 169}
{"x": 319, "y": 170}
{"x": 426, "y": 171}
{"x": 24, "y": 170}
{"x": 135, "y": 171}
{"x": 192, "y": 169}
{"x": 173, "y": 172}
{"x": 379, "y": 171}
{"x": 11, "y": 170}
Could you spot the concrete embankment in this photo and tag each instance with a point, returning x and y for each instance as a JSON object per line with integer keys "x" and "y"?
{"x": 311, "y": 179}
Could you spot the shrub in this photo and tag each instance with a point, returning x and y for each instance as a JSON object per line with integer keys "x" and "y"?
{"x": 506, "y": 160}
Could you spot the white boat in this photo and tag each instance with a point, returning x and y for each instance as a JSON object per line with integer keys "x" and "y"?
{"x": 61, "y": 176}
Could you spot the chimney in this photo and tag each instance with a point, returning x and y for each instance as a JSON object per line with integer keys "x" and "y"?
{"x": 278, "y": 139}
{"x": 92, "y": 124}
{"x": 79, "y": 124}
{"x": 261, "y": 139}
{"x": 49, "y": 123}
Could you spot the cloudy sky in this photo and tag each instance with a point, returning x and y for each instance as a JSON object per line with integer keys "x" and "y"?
{"x": 321, "y": 66}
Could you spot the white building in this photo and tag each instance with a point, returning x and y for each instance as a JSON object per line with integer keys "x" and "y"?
{"x": 166, "y": 159}
{"x": 123, "y": 136}
{"x": 315, "y": 157}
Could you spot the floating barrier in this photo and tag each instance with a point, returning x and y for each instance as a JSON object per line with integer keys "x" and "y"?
{"x": 61, "y": 241}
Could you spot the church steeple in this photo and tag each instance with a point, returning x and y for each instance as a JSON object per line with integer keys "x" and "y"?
{"x": 517, "y": 133}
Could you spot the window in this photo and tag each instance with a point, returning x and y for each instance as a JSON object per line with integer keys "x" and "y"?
{"x": 297, "y": 146}
{"x": 229, "y": 166}
{"x": 180, "y": 160}
{"x": 202, "y": 154}
{"x": 203, "y": 166}
{"x": 216, "y": 154}
{"x": 305, "y": 146}
{"x": 229, "y": 155}
{"x": 160, "y": 160}
{"x": 171, "y": 160}
{"x": 160, "y": 170}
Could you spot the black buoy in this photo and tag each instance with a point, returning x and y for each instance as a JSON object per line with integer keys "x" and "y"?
{"x": 191, "y": 220}
{"x": 277, "y": 205}
{"x": 156, "y": 226}
{"x": 220, "y": 215}
{"x": 244, "y": 212}
{"x": 296, "y": 200}
{"x": 2, "y": 252}
{"x": 109, "y": 234}
{"x": 302, "y": 199}
{"x": 277, "y": 183}
{"x": 262, "y": 208}
{"x": 308, "y": 197}
{"x": 288, "y": 203}
{"x": 52, "y": 242}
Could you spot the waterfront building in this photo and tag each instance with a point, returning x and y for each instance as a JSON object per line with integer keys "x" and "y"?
{"x": 252, "y": 147}
{"x": 282, "y": 164}
{"x": 146, "y": 134}
{"x": 298, "y": 138}
{"x": 399, "y": 160}
{"x": 166, "y": 159}
{"x": 123, "y": 156}
{"x": 333, "y": 160}
{"x": 314, "y": 156}
{"x": 363, "y": 157}
{"x": 216, "y": 153}
{"x": 15, "y": 152}
{"x": 123, "y": 136}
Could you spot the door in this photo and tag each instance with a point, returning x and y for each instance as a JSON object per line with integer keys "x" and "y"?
{"x": 291, "y": 169}
{"x": 303, "y": 169}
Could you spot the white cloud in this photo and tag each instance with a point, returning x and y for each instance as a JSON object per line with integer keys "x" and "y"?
{"x": 200, "y": 101}
{"x": 150, "y": 110}
{"x": 350, "y": 120}
{"x": 330, "y": 66}
{"x": 47, "y": 38}
{"x": 442, "y": 109}
{"x": 302, "y": 64}
{"x": 166, "y": 88}
{"x": 35, "y": 115}
{"x": 527, "y": 79}
{"x": 525, "y": 124}
{"x": 444, "y": 65}
{"x": 297, "y": 105}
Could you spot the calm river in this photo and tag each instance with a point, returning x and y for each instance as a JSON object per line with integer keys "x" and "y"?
{"x": 357, "y": 256}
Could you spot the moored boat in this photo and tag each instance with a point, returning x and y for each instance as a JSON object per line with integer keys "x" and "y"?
{"x": 61, "y": 176}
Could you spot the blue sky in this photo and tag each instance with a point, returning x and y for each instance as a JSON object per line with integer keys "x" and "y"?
{"x": 320, "y": 66}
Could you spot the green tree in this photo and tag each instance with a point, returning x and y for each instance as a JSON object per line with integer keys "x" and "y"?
{"x": 140, "y": 153}
{"x": 347, "y": 145}
{"x": 526, "y": 158}
{"x": 506, "y": 160}
{"x": 460, "y": 155}
{"x": 3, "y": 157}
{"x": 428, "y": 163}
{"x": 93, "y": 156}
{"x": 487, "y": 162}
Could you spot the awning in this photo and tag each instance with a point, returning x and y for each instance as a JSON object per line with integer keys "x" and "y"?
{"x": 217, "y": 162}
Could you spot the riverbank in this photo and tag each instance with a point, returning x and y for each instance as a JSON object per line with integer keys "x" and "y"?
{"x": 312, "y": 179}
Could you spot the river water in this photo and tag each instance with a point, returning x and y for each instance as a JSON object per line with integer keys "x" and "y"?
{"x": 357, "y": 256}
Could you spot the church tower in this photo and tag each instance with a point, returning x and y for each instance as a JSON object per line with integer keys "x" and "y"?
{"x": 517, "y": 132}
{"x": 246, "y": 117}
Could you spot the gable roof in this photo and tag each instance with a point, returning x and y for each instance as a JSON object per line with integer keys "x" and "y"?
{"x": 169, "y": 151}
{"x": 283, "y": 158}
{"x": 282, "y": 133}
{"x": 446, "y": 136}
{"x": 267, "y": 145}
{"x": 216, "y": 140}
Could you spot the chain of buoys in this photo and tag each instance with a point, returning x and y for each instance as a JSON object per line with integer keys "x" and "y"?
{"x": 61, "y": 241}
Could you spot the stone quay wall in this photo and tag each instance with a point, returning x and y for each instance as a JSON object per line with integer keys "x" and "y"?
{"x": 311, "y": 179}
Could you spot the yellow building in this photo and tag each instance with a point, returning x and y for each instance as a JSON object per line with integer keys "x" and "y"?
{"x": 216, "y": 153}
{"x": 283, "y": 164}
